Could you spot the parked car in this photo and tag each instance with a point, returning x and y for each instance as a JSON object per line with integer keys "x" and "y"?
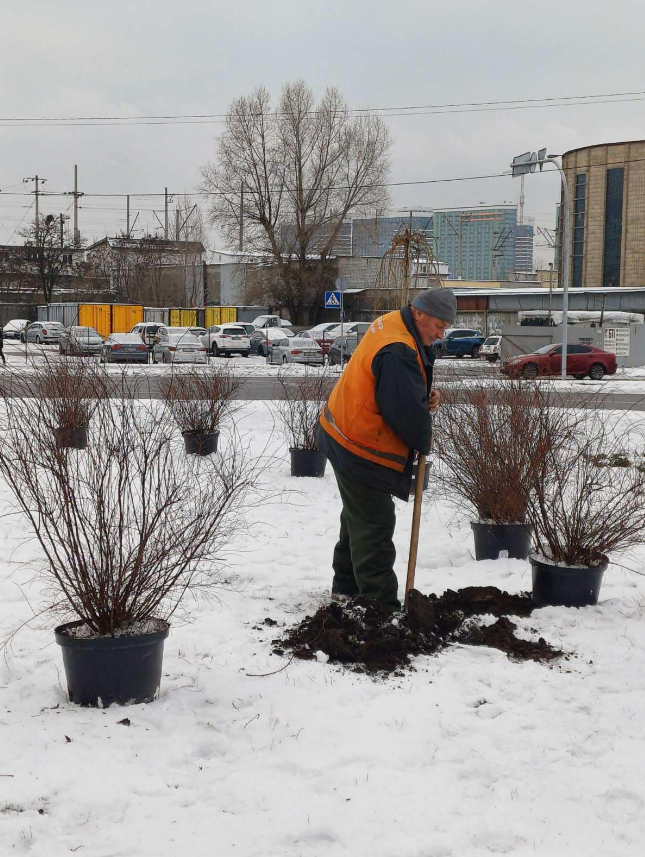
{"x": 180, "y": 347}
{"x": 147, "y": 330}
{"x": 124, "y": 348}
{"x": 581, "y": 360}
{"x": 462, "y": 342}
{"x": 248, "y": 327}
{"x": 266, "y": 337}
{"x": 13, "y": 329}
{"x": 271, "y": 321}
{"x": 43, "y": 332}
{"x": 491, "y": 350}
{"x": 297, "y": 349}
{"x": 342, "y": 344}
{"x": 320, "y": 333}
{"x": 349, "y": 328}
{"x": 228, "y": 338}
{"x": 80, "y": 340}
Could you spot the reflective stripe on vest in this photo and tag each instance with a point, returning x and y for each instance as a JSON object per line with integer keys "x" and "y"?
{"x": 388, "y": 456}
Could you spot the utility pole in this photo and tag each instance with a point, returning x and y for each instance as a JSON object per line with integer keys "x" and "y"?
{"x": 521, "y": 200}
{"x": 406, "y": 268}
{"x": 63, "y": 218}
{"x": 165, "y": 229}
{"x": 127, "y": 215}
{"x": 77, "y": 236}
{"x": 75, "y": 193}
{"x": 35, "y": 179}
{"x": 550, "y": 293}
{"x": 241, "y": 248}
{"x": 523, "y": 165}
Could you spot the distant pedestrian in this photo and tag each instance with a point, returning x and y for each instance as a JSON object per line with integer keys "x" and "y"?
{"x": 4, "y": 359}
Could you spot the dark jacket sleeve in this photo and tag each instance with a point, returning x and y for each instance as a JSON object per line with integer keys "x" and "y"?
{"x": 401, "y": 395}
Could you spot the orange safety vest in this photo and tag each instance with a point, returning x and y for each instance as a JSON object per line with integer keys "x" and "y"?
{"x": 351, "y": 416}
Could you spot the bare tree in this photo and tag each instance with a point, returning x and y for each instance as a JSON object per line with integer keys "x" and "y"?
{"x": 43, "y": 254}
{"x": 293, "y": 176}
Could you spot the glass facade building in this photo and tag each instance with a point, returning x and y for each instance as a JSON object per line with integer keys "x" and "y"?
{"x": 372, "y": 236}
{"x": 477, "y": 243}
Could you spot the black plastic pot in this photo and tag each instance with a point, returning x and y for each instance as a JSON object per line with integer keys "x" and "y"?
{"x": 105, "y": 670}
{"x": 426, "y": 477}
{"x": 200, "y": 443}
{"x": 564, "y": 586}
{"x": 492, "y": 539}
{"x": 307, "y": 462}
{"x": 72, "y": 437}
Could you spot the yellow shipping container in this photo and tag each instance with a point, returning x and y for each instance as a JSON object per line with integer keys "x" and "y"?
{"x": 219, "y": 315}
{"x": 175, "y": 318}
{"x": 125, "y": 316}
{"x": 188, "y": 318}
{"x": 97, "y": 316}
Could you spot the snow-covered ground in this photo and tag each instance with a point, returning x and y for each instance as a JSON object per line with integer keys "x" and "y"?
{"x": 248, "y": 754}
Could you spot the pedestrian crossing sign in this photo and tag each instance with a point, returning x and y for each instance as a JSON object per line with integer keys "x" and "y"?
{"x": 332, "y": 300}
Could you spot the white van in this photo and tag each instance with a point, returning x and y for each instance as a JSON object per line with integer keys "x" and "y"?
{"x": 491, "y": 349}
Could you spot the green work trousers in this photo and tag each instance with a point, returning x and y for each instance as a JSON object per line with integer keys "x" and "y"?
{"x": 364, "y": 556}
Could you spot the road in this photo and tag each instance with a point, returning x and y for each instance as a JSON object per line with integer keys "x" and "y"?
{"x": 265, "y": 387}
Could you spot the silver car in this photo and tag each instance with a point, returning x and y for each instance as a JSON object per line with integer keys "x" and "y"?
{"x": 178, "y": 348}
{"x": 298, "y": 349}
{"x": 42, "y": 332}
{"x": 124, "y": 348}
{"x": 80, "y": 340}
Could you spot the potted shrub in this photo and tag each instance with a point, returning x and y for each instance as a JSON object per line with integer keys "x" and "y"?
{"x": 69, "y": 391}
{"x": 587, "y": 501}
{"x": 301, "y": 399}
{"x": 127, "y": 530}
{"x": 198, "y": 402}
{"x": 489, "y": 441}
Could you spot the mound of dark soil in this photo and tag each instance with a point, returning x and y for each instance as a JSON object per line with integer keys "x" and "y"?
{"x": 376, "y": 639}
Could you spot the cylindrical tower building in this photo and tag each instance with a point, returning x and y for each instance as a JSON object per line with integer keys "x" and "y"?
{"x": 607, "y": 188}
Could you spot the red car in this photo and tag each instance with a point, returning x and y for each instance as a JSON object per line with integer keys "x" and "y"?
{"x": 581, "y": 360}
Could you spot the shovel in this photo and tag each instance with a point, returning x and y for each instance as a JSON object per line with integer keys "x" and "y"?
{"x": 416, "y": 520}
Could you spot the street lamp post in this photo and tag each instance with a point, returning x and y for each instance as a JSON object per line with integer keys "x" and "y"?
{"x": 521, "y": 166}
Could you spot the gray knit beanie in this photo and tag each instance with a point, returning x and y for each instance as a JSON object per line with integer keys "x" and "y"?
{"x": 439, "y": 303}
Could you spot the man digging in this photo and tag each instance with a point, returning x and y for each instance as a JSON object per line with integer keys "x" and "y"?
{"x": 376, "y": 417}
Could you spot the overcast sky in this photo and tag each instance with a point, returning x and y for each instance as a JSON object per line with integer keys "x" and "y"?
{"x": 75, "y": 58}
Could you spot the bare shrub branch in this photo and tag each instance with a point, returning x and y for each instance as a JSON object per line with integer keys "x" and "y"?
{"x": 199, "y": 401}
{"x": 588, "y": 498}
{"x": 302, "y": 397}
{"x": 130, "y": 525}
{"x": 491, "y": 441}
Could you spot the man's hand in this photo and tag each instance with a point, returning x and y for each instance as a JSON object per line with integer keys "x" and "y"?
{"x": 434, "y": 401}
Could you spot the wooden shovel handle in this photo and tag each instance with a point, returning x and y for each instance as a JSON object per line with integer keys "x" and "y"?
{"x": 416, "y": 520}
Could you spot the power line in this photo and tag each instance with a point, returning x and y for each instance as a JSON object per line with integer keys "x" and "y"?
{"x": 453, "y": 107}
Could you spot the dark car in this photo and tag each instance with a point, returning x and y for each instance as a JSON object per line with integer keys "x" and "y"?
{"x": 581, "y": 360}
{"x": 348, "y": 343}
{"x": 461, "y": 342}
{"x": 124, "y": 348}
